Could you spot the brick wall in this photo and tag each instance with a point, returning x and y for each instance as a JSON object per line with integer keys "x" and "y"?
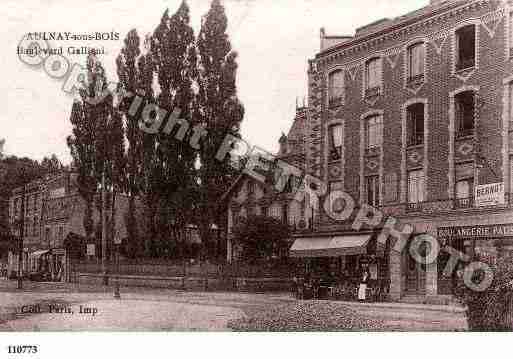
{"x": 441, "y": 153}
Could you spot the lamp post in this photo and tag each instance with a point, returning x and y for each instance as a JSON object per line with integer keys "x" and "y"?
{"x": 117, "y": 243}
{"x": 21, "y": 230}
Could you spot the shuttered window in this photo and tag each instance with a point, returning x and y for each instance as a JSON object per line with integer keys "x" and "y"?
{"x": 416, "y": 185}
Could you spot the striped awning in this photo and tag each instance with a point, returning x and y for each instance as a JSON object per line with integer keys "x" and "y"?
{"x": 313, "y": 247}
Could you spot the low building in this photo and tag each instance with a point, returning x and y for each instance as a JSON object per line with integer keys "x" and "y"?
{"x": 54, "y": 226}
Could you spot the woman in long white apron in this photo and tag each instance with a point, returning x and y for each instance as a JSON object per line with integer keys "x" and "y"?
{"x": 364, "y": 279}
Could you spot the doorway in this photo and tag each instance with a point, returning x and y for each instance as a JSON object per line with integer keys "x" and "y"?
{"x": 415, "y": 276}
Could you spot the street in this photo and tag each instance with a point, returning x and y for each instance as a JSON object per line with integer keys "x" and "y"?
{"x": 69, "y": 307}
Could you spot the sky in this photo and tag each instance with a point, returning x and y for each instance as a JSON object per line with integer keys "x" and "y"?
{"x": 274, "y": 40}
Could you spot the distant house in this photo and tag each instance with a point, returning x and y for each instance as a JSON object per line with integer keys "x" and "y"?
{"x": 248, "y": 197}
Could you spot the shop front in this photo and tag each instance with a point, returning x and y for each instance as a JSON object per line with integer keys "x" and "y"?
{"x": 485, "y": 242}
{"x": 336, "y": 267}
{"x": 482, "y": 235}
{"x": 46, "y": 265}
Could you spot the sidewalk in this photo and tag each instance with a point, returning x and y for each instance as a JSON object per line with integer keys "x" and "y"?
{"x": 165, "y": 309}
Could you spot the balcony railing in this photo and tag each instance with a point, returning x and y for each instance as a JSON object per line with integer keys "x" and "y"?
{"x": 373, "y": 91}
{"x": 372, "y": 151}
{"x": 465, "y": 64}
{"x": 461, "y": 203}
{"x": 416, "y": 79}
{"x": 416, "y": 140}
{"x": 464, "y": 132}
{"x": 414, "y": 207}
{"x": 335, "y": 101}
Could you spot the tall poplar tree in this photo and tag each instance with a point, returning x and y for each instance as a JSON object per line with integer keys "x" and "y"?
{"x": 129, "y": 76}
{"x": 174, "y": 56}
{"x": 97, "y": 143}
{"x": 220, "y": 111}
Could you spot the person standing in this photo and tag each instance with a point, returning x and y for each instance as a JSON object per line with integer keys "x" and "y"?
{"x": 364, "y": 280}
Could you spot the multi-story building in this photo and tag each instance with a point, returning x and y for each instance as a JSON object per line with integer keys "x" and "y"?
{"x": 248, "y": 196}
{"x": 54, "y": 218}
{"x": 412, "y": 115}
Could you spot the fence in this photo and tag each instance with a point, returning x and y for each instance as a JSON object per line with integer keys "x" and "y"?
{"x": 204, "y": 276}
{"x": 179, "y": 269}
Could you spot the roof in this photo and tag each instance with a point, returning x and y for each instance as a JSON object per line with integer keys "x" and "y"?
{"x": 385, "y": 25}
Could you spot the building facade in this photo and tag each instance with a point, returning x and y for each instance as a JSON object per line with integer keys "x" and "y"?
{"x": 413, "y": 115}
{"x": 54, "y": 213}
{"x": 248, "y": 196}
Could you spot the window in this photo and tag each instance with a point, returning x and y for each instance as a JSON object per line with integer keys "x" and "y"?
{"x": 416, "y": 62}
{"x": 276, "y": 212}
{"x": 511, "y": 103}
{"x": 511, "y": 180}
{"x": 373, "y": 132}
{"x": 265, "y": 211}
{"x": 28, "y": 229}
{"x": 251, "y": 211}
{"x": 36, "y": 227}
{"x": 335, "y": 88}
{"x": 464, "y": 186}
{"x": 464, "y": 193}
{"x": 251, "y": 188}
{"x": 466, "y": 47}
{"x": 285, "y": 213}
{"x": 372, "y": 190}
{"x": 415, "y": 124}
{"x": 289, "y": 185}
{"x": 335, "y": 142}
{"x": 373, "y": 77}
{"x": 511, "y": 34}
{"x": 416, "y": 187}
{"x": 335, "y": 186}
{"x": 61, "y": 233}
{"x": 464, "y": 106}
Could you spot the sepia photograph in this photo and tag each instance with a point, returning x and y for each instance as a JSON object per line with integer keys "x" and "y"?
{"x": 255, "y": 166}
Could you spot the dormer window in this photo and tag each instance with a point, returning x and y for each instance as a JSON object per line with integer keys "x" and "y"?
{"x": 466, "y": 47}
{"x": 335, "y": 88}
{"x": 416, "y": 55}
{"x": 373, "y": 77}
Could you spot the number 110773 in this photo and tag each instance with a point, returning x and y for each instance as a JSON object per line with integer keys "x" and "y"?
{"x": 22, "y": 349}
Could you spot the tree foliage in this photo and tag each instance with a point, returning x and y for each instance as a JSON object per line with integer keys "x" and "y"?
{"x": 488, "y": 309}
{"x": 97, "y": 143}
{"x": 262, "y": 237}
{"x": 219, "y": 110}
{"x": 175, "y": 182}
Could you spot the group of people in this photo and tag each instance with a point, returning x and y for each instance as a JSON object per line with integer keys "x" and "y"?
{"x": 361, "y": 285}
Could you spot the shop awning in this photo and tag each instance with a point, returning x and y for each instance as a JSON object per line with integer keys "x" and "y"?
{"x": 312, "y": 247}
{"x": 38, "y": 254}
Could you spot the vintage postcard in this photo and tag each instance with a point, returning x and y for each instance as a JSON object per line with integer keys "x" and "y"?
{"x": 256, "y": 166}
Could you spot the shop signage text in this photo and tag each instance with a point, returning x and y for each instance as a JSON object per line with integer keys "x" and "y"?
{"x": 476, "y": 232}
{"x": 489, "y": 194}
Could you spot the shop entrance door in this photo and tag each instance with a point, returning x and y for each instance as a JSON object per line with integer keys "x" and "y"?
{"x": 415, "y": 276}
